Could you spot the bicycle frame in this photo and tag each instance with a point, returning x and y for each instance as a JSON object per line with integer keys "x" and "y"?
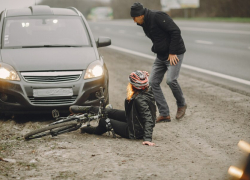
{"x": 72, "y": 122}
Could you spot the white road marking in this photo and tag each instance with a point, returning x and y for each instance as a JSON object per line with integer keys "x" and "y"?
{"x": 121, "y": 31}
{"x": 131, "y": 52}
{"x": 214, "y": 30}
{"x": 185, "y": 66}
{"x": 204, "y": 42}
{"x": 140, "y": 34}
{"x": 189, "y": 28}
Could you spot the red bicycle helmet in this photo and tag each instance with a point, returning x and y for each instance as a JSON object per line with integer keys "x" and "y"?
{"x": 139, "y": 79}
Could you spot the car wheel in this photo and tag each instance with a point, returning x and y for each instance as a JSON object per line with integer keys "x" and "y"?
{"x": 107, "y": 93}
{"x": 8, "y": 116}
{"x": 1, "y": 115}
{"x": 107, "y": 101}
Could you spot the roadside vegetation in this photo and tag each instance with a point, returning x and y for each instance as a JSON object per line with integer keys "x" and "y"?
{"x": 216, "y": 19}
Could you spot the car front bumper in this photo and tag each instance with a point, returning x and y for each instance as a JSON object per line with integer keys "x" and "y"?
{"x": 20, "y": 96}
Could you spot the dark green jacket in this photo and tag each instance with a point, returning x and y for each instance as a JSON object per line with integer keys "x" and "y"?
{"x": 141, "y": 115}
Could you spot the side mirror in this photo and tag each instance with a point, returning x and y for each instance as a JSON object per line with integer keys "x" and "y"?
{"x": 103, "y": 41}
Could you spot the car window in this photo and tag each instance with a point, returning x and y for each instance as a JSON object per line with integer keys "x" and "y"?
{"x": 45, "y": 31}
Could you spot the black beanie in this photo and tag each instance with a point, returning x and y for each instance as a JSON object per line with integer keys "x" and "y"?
{"x": 137, "y": 10}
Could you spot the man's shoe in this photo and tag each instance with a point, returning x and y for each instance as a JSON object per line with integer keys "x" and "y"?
{"x": 88, "y": 129}
{"x": 79, "y": 109}
{"x": 181, "y": 111}
{"x": 163, "y": 119}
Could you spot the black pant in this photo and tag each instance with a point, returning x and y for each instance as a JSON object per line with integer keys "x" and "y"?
{"x": 117, "y": 119}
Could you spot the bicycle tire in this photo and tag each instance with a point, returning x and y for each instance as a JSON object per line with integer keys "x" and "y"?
{"x": 45, "y": 131}
{"x": 64, "y": 120}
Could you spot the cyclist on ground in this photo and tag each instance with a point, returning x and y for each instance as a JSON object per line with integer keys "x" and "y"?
{"x": 137, "y": 120}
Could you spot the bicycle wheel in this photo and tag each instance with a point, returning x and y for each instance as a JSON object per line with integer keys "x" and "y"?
{"x": 48, "y": 130}
{"x": 64, "y": 119}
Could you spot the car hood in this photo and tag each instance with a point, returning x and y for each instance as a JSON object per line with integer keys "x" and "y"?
{"x": 46, "y": 59}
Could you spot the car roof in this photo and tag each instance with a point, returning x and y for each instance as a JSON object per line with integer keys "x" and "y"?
{"x": 41, "y": 10}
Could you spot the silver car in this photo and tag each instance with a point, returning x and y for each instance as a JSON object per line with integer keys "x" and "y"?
{"x": 49, "y": 59}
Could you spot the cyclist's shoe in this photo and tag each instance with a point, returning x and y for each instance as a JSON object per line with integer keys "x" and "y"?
{"x": 108, "y": 106}
{"x": 88, "y": 129}
{"x": 163, "y": 119}
{"x": 79, "y": 109}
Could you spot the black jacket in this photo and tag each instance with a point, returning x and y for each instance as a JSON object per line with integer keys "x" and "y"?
{"x": 141, "y": 115}
{"x": 164, "y": 33}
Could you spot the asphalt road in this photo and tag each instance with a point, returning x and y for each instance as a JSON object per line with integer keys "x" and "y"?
{"x": 200, "y": 146}
{"x": 215, "y": 46}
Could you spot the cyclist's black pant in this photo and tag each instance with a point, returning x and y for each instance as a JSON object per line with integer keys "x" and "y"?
{"x": 118, "y": 122}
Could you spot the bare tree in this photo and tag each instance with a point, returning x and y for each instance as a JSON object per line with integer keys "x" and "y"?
{"x": 121, "y": 9}
{"x": 82, "y": 5}
{"x": 215, "y": 8}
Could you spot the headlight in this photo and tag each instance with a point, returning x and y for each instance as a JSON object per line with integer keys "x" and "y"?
{"x": 95, "y": 69}
{"x": 8, "y": 72}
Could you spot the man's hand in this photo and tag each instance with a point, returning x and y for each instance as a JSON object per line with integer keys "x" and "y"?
{"x": 148, "y": 143}
{"x": 173, "y": 59}
{"x": 146, "y": 73}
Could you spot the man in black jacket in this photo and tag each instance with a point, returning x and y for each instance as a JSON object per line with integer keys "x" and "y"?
{"x": 169, "y": 47}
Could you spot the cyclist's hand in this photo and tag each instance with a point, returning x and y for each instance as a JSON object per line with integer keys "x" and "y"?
{"x": 148, "y": 143}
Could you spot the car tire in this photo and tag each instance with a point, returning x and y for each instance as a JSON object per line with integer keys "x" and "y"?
{"x": 8, "y": 116}
{"x": 107, "y": 101}
{"x": 2, "y": 115}
{"x": 107, "y": 93}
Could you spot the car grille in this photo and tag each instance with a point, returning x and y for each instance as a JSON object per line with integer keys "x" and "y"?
{"x": 57, "y": 100}
{"x": 51, "y": 77}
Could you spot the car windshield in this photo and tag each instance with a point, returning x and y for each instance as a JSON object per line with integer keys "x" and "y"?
{"x": 45, "y": 32}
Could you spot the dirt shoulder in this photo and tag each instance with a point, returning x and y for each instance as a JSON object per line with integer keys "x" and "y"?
{"x": 202, "y": 145}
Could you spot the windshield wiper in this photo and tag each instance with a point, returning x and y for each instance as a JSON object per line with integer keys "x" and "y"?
{"x": 51, "y": 46}
{"x": 62, "y": 45}
{"x": 31, "y": 46}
